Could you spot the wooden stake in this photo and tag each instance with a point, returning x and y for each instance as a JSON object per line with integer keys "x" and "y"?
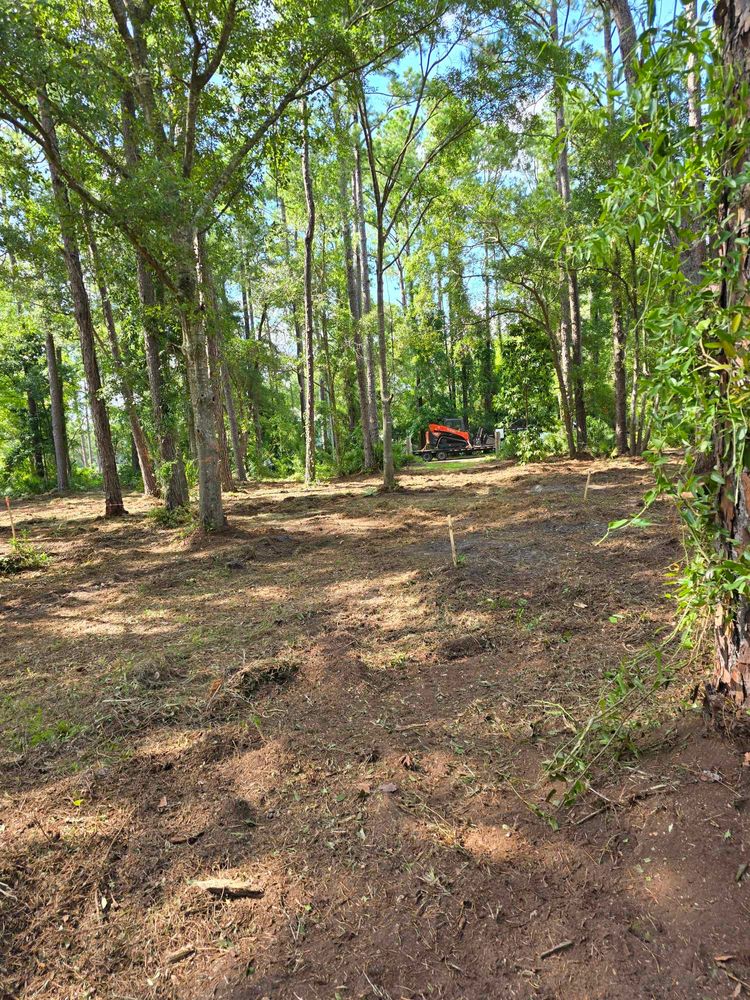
{"x": 588, "y": 483}
{"x": 453, "y": 541}
{"x": 10, "y": 515}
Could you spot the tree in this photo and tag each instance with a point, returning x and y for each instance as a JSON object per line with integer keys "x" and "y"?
{"x": 392, "y": 187}
{"x": 113, "y": 505}
{"x": 732, "y": 502}
{"x": 308, "y": 283}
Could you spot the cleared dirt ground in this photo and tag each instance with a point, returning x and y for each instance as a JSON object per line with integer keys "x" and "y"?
{"x": 319, "y": 704}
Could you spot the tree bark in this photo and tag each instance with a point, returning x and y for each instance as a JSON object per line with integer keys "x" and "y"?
{"x": 113, "y": 505}
{"x": 626, "y": 31}
{"x": 57, "y": 406}
{"x": 195, "y": 349}
{"x": 389, "y": 471}
{"x": 308, "y": 279}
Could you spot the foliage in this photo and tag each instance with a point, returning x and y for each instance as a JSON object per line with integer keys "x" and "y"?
{"x": 668, "y": 201}
{"x": 178, "y": 517}
{"x": 23, "y": 555}
{"x": 626, "y": 707}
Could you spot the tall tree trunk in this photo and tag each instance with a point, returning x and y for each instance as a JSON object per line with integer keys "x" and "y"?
{"x": 176, "y": 492}
{"x": 85, "y": 462}
{"x": 308, "y": 279}
{"x": 638, "y": 360}
{"x": 65, "y": 423}
{"x": 364, "y": 283}
{"x": 195, "y": 349}
{"x": 210, "y": 309}
{"x": 487, "y": 352}
{"x": 37, "y": 443}
{"x": 247, "y": 303}
{"x": 189, "y": 418}
{"x": 150, "y": 485}
{"x": 626, "y": 30}
{"x": 57, "y": 407}
{"x": 695, "y": 113}
{"x": 618, "y": 355}
{"x": 354, "y": 294}
{"x": 389, "y": 472}
{"x": 576, "y": 345}
{"x": 330, "y": 387}
{"x": 564, "y": 351}
{"x": 732, "y": 512}
{"x": 562, "y": 386}
{"x": 447, "y": 346}
{"x": 234, "y": 430}
{"x": 172, "y": 467}
{"x": 573, "y": 312}
{"x": 113, "y": 505}
{"x": 619, "y": 333}
{"x": 295, "y": 319}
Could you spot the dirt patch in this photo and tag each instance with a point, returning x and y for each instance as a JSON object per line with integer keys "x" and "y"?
{"x": 318, "y": 705}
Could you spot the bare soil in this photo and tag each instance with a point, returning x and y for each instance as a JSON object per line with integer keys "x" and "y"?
{"x": 319, "y": 706}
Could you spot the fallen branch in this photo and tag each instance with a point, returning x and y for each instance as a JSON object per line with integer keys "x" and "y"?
{"x": 563, "y": 946}
{"x": 612, "y": 804}
{"x": 228, "y": 888}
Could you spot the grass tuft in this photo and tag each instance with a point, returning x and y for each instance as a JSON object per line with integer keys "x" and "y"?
{"x": 22, "y": 556}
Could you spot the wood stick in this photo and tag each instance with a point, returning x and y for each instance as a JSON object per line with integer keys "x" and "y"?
{"x": 453, "y": 541}
{"x": 588, "y": 483}
{"x": 563, "y": 946}
{"x": 10, "y": 515}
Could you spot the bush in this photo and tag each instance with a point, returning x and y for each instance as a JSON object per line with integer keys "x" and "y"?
{"x": 86, "y": 479}
{"x": 20, "y": 482}
{"x": 180, "y": 517}
{"x": 191, "y": 474}
{"x": 23, "y": 555}
{"x": 601, "y": 437}
{"x": 529, "y": 446}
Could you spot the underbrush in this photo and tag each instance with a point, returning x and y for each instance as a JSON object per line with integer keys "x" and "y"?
{"x": 631, "y": 704}
{"x": 23, "y": 555}
{"x": 537, "y": 445}
{"x": 177, "y": 517}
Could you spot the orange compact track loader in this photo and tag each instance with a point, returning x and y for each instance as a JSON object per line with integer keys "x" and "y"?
{"x": 449, "y": 440}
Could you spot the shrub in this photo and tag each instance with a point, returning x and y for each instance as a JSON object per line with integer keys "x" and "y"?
{"x": 601, "y": 437}
{"x": 180, "y": 517}
{"x": 23, "y": 555}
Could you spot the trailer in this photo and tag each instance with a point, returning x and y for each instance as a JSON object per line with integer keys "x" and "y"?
{"x": 450, "y": 440}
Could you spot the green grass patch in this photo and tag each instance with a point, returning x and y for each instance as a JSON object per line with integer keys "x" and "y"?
{"x": 29, "y": 727}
